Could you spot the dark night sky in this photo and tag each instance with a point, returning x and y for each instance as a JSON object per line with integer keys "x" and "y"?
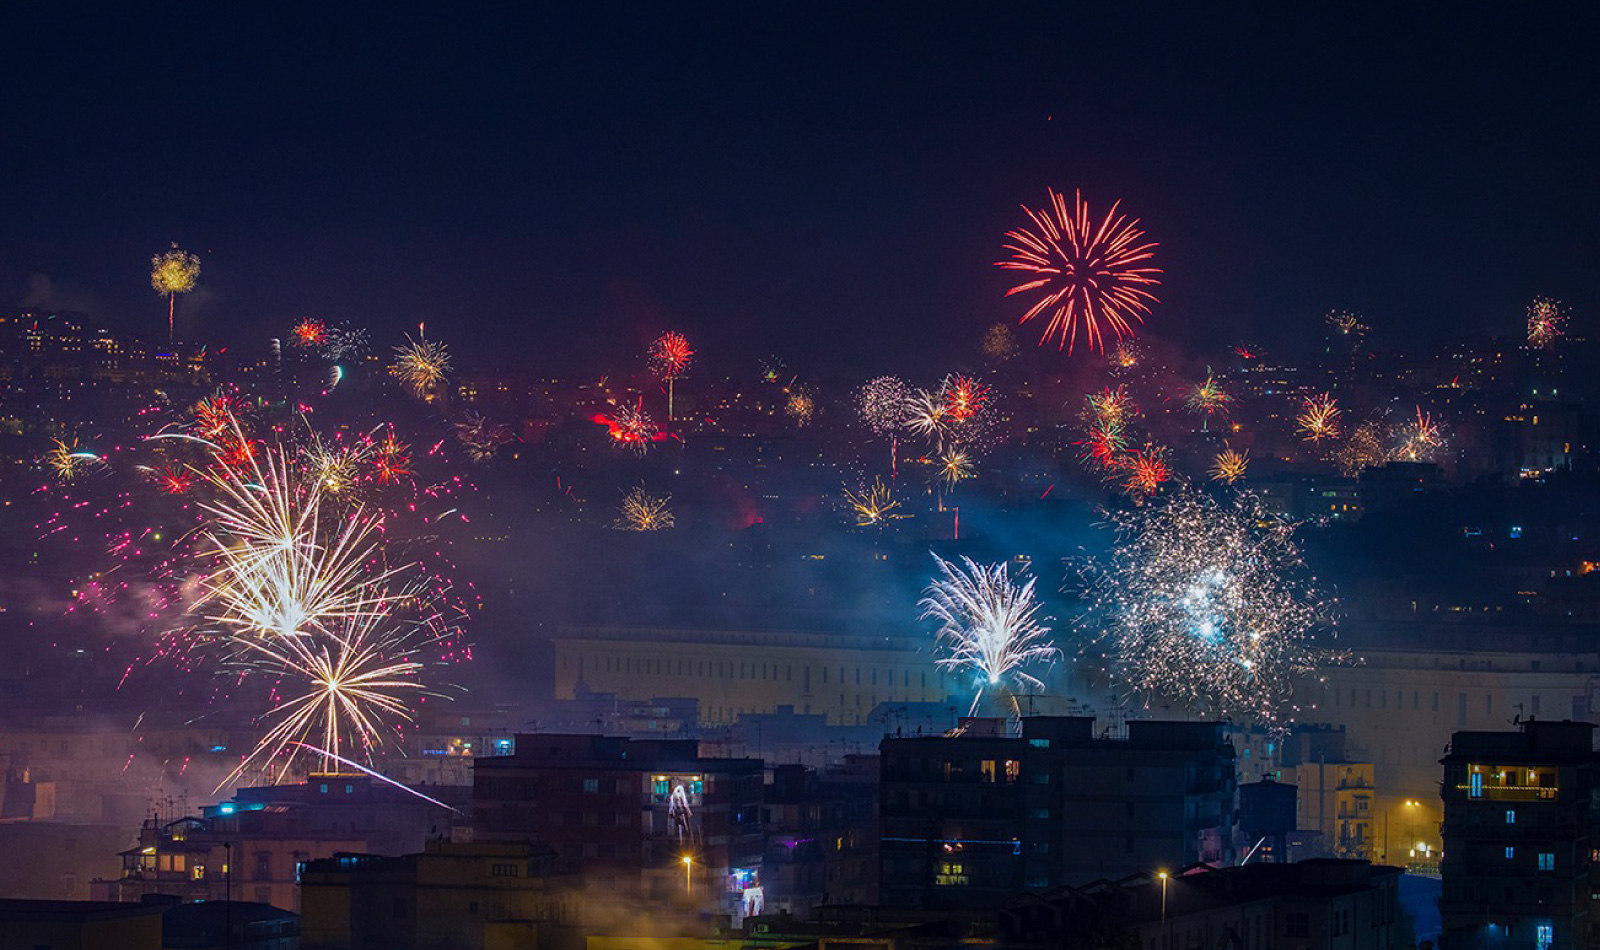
{"x": 829, "y": 182}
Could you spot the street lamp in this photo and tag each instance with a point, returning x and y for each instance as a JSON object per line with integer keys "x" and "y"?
{"x": 1164, "y": 877}
{"x": 688, "y": 869}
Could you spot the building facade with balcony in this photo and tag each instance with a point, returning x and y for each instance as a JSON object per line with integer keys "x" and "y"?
{"x": 977, "y": 816}
{"x": 1517, "y": 831}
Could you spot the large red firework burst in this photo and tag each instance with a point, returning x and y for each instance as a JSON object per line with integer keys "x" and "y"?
{"x": 964, "y": 397}
{"x": 1094, "y": 277}
{"x": 671, "y": 354}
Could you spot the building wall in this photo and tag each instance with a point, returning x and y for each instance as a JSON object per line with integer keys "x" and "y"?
{"x": 733, "y": 672}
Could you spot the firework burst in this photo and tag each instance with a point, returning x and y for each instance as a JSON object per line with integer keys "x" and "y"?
{"x": 964, "y": 397}
{"x": 1362, "y": 450}
{"x": 421, "y": 366}
{"x": 1209, "y": 605}
{"x": 310, "y": 333}
{"x": 631, "y": 428}
{"x": 1319, "y": 418}
{"x": 801, "y": 406}
{"x": 642, "y": 511}
{"x": 1208, "y": 398}
{"x": 1126, "y": 357}
{"x": 1094, "y": 277}
{"x": 873, "y": 506}
{"x": 1344, "y": 323}
{"x": 884, "y": 404}
{"x": 955, "y": 466}
{"x": 1000, "y": 343}
{"x": 1418, "y": 439}
{"x": 927, "y": 415}
{"x": 480, "y": 437}
{"x": 173, "y": 272}
{"x": 1144, "y": 470}
{"x": 1547, "y": 321}
{"x": 67, "y": 460}
{"x": 989, "y": 626}
{"x": 671, "y": 355}
{"x": 1229, "y": 465}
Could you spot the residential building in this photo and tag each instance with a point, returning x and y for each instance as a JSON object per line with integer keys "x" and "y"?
{"x": 641, "y": 817}
{"x": 974, "y": 817}
{"x": 450, "y": 896}
{"x": 1337, "y": 801}
{"x": 822, "y": 838}
{"x": 81, "y": 925}
{"x": 1518, "y": 819}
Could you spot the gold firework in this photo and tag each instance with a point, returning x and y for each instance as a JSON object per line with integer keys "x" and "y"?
{"x": 1229, "y": 465}
{"x": 173, "y": 272}
{"x": 421, "y": 366}
{"x": 642, "y": 511}
{"x": 801, "y": 407}
{"x": 954, "y": 466}
{"x": 1320, "y": 418}
{"x": 67, "y": 460}
{"x": 873, "y": 506}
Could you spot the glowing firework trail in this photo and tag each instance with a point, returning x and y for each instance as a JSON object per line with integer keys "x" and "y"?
{"x": 1229, "y": 465}
{"x": 1208, "y": 399}
{"x": 1208, "y": 605}
{"x": 480, "y": 437}
{"x": 1319, "y": 418}
{"x": 671, "y": 355}
{"x": 1546, "y": 322}
{"x": 354, "y": 682}
{"x": 1093, "y": 277}
{"x": 421, "y": 366}
{"x": 377, "y": 775}
{"x": 173, "y": 272}
{"x": 642, "y": 511}
{"x": 988, "y": 625}
{"x": 873, "y": 506}
{"x": 884, "y": 403}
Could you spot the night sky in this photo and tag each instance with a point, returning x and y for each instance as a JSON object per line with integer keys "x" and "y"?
{"x": 826, "y": 182}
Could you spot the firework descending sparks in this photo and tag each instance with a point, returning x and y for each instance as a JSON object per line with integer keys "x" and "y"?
{"x": 671, "y": 355}
{"x": 1319, "y": 418}
{"x": 1094, "y": 277}
{"x": 481, "y": 438}
{"x": 1546, "y": 322}
{"x": 421, "y": 366}
{"x": 989, "y": 626}
{"x": 642, "y": 511}
{"x": 1418, "y": 439}
{"x": 173, "y": 272}
{"x": 801, "y": 406}
{"x": 884, "y": 404}
{"x": 1208, "y": 399}
{"x": 1000, "y": 343}
{"x": 1209, "y": 605}
{"x": 873, "y": 506}
{"x": 1229, "y": 465}
{"x": 1362, "y": 450}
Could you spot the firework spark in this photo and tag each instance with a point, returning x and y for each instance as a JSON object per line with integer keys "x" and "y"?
{"x": 1418, "y": 439}
{"x": 989, "y": 626}
{"x": 671, "y": 355}
{"x": 1229, "y": 465}
{"x": 1208, "y": 398}
{"x": 1000, "y": 343}
{"x": 956, "y": 465}
{"x": 801, "y": 406}
{"x": 874, "y": 505}
{"x": 480, "y": 437}
{"x": 631, "y": 428}
{"x": 1125, "y": 358}
{"x": 173, "y": 272}
{"x": 1094, "y": 277}
{"x": 67, "y": 460}
{"x": 1546, "y": 322}
{"x": 927, "y": 415}
{"x": 1144, "y": 470}
{"x": 1344, "y": 323}
{"x": 964, "y": 397}
{"x": 1364, "y": 449}
{"x": 1209, "y": 605}
{"x": 642, "y": 511}
{"x": 1319, "y": 418}
{"x": 884, "y": 403}
{"x": 421, "y": 366}
{"x": 310, "y": 333}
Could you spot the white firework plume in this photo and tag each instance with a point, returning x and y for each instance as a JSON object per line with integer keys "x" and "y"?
{"x": 988, "y": 625}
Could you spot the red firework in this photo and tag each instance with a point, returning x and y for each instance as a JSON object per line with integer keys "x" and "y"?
{"x": 1093, "y": 276}
{"x": 964, "y": 397}
{"x": 310, "y": 332}
{"x": 671, "y": 354}
{"x": 390, "y": 460}
{"x": 1145, "y": 469}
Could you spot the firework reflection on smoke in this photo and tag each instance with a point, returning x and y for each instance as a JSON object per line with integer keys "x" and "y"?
{"x": 1094, "y": 278}
{"x": 988, "y": 626}
{"x": 631, "y": 428}
{"x": 421, "y": 366}
{"x": 874, "y": 505}
{"x": 642, "y": 511}
{"x": 1208, "y": 605}
{"x": 1319, "y": 418}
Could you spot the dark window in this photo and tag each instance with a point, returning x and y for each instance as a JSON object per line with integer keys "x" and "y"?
{"x": 1297, "y": 925}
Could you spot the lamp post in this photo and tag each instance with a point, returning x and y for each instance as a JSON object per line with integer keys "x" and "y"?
{"x": 1408, "y": 803}
{"x": 1164, "y": 876}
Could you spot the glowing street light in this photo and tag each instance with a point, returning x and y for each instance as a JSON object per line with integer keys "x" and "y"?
{"x": 1164, "y": 876}
{"x": 688, "y": 870}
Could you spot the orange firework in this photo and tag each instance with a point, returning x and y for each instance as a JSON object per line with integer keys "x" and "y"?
{"x": 1320, "y": 418}
{"x": 1145, "y": 469}
{"x": 1093, "y": 276}
{"x": 671, "y": 356}
{"x": 964, "y": 397}
{"x": 310, "y": 332}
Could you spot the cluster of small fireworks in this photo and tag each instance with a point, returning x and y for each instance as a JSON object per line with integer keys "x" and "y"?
{"x": 989, "y": 626}
{"x": 642, "y": 511}
{"x": 670, "y": 356}
{"x": 1319, "y": 418}
{"x": 1000, "y": 343}
{"x": 1547, "y": 321}
{"x": 333, "y": 342}
{"x": 1208, "y": 398}
{"x": 1229, "y": 465}
{"x": 1093, "y": 278}
{"x": 1417, "y": 439}
{"x": 421, "y": 366}
{"x": 801, "y": 405}
{"x": 1108, "y": 444}
{"x": 480, "y": 437}
{"x": 631, "y": 427}
{"x": 873, "y": 506}
{"x": 1208, "y": 605}
{"x": 173, "y": 272}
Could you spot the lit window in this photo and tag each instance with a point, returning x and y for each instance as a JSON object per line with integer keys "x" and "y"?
{"x": 591, "y": 785}
{"x": 1547, "y": 860}
{"x": 1511, "y": 816}
{"x": 1510, "y": 852}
